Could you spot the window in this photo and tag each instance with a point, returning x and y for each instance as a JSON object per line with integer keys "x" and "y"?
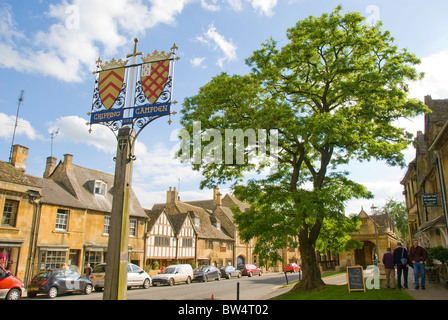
{"x": 62, "y": 220}
{"x": 100, "y": 188}
{"x": 10, "y": 213}
{"x": 133, "y": 227}
{"x": 218, "y": 225}
{"x": 161, "y": 241}
{"x": 197, "y": 222}
{"x": 53, "y": 259}
{"x": 94, "y": 258}
{"x": 187, "y": 242}
{"x": 106, "y": 228}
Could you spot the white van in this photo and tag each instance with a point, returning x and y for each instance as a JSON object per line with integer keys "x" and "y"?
{"x": 176, "y": 273}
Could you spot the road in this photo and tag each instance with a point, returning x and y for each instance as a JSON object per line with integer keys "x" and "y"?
{"x": 255, "y": 288}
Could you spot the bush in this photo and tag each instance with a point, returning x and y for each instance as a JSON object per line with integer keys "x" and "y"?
{"x": 437, "y": 253}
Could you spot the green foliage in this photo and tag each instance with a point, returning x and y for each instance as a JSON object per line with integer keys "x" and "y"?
{"x": 397, "y": 210}
{"x": 436, "y": 253}
{"x": 332, "y": 93}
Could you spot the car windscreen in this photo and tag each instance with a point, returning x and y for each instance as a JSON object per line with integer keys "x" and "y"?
{"x": 99, "y": 268}
{"x": 43, "y": 274}
{"x": 199, "y": 269}
{"x": 170, "y": 270}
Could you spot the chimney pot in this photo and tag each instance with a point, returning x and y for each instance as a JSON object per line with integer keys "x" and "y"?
{"x": 19, "y": 157}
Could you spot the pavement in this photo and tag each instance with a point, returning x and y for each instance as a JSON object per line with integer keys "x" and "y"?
{"x": 434, "y": 291}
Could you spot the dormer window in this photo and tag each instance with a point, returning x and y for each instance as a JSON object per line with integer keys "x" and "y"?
{"x": 197, "y": 222}
{"x": 100, "y": 188}
{"x": 218, "y": 225}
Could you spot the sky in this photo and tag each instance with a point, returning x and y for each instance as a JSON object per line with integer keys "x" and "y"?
{"x": 48, "y": 49}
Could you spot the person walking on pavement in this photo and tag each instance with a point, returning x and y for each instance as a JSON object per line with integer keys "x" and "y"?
{"x": 417, "y": 255}
{"x": 388, "y": 260}
{"x": 401, "y": 262}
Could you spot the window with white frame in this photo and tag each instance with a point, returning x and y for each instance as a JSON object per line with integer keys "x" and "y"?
{"x": 10, "y": 213}
{"x": 106, "y": 228}
{"x": 100, "y": 188}
{"x": 133, "y": 227}
{"x": 62, "y": 218}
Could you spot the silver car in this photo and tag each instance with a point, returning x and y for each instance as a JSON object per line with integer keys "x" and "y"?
{"x": 137, "y": 277}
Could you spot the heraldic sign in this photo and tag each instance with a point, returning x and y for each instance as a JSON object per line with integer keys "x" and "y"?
{"x": 133, "y": 94}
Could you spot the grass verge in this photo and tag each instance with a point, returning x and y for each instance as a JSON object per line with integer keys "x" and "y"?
{"x": 340, "y": 292}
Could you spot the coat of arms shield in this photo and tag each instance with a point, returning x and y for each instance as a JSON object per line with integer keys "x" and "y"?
{"x": 154, "y": 76}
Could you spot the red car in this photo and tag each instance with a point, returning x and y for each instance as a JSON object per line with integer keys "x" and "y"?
{"x": 11, "y": 288}
{"x": 291, "y": 267}
{"x": 249, "y": 270}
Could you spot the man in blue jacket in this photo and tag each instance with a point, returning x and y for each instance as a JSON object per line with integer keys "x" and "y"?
{"x": 401, "y": 261}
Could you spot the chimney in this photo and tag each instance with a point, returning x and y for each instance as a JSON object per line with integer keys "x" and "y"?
{"x": 19, "y": 157}
{"x": 50, "y": 166}
{"x": 171, "y": 196}
{"x": 217, "y": 197}
{"x": 68, "y": 158}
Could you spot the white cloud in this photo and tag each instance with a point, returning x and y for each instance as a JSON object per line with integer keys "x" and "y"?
{"x": 81, "y": 32}
{"x": 198, "y": 62}
{"x": 218, "y": 41}
{"x": 435, "y": 82}
{"x": 158, "y": 167}
{"x": 7, "y": 124}
{"x": 74, "y": 129}
{"x": 211, "y": 5}
{"x": 264, "y": 6}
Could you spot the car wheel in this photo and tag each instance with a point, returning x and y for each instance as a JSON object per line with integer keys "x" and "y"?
{"x": 259, "y": 274}
{"x": 13, "y": 294}
{"x": 53, "y": 292}
{"x": 88, "y": 289}
{"x": 188, "y": 280}
{"x": 171, "y": 282}
{"x": 146, "y": 283}
{"x": 250, "y": 274}
{"x": 219, "y": 277}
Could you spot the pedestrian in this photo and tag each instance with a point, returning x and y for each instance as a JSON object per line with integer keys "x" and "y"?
{"x": 388, "y": 260}
{"x": 401, "y": 262}
{"x": 88, "y": 270}
{"x": 417, "y": 255}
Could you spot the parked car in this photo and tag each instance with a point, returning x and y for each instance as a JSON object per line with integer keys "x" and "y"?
{"x": 55, "y": 281}
{"x": 206, "y": 273}
{"x": 249, "y": 270}
{"x": 11, "y": 287}
{"x": 230, "y": 271}
{"x": 136, "y": 277}
{"x": 291, "y": 267}
{"x": 177, "y": 273}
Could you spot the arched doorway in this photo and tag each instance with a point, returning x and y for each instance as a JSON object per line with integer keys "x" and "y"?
{"x": 364, "y": 256}
{"x": 240, "y": 260}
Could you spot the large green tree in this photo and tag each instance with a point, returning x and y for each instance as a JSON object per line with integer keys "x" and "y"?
{"x": 330, "y": 95}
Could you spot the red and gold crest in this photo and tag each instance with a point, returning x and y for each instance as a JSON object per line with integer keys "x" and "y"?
{"x": 154, "y": 74}
{"x": 111, "y": 80}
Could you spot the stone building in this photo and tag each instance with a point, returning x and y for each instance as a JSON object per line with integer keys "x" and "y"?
{"x": 62, "y": 218}
{"x": 377, "y": 234}
{"x": 426, "y": 178}
{"x": 214, "y": 242}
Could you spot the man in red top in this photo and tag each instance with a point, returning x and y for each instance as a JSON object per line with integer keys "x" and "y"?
{"x": 417, "y": 255}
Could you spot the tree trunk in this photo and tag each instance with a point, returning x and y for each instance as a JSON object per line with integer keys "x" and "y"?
{"x": 311, "y": 277}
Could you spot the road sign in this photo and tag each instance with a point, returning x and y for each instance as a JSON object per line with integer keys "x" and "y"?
{"x": 430, "y": 199}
